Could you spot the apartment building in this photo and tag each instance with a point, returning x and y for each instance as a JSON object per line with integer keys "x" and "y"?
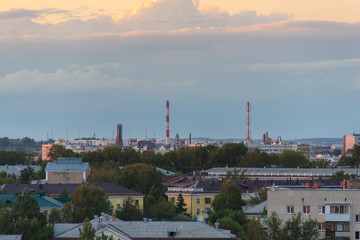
{"x": 336, "y": 210}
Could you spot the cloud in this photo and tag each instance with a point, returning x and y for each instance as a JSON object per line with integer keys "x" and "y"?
{"x": 25, "y": 13}
{"x": 328, "y": 64}
{"x": 164, "y": 15}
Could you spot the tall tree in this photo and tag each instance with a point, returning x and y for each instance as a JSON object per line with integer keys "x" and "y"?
{"x": 88, "y": 231}
{"x": 274, "y": 230}
{"x": 255, "y": 230}
{"x": 180, "y": 204}
{"x": 129, "y": 211}
{"x": 85, "y": 202}
{"x": 229, "y": 198}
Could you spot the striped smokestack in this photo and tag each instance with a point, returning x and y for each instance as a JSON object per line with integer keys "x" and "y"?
{"x": 248, "y": 138}
{"x": 167, "y": 143}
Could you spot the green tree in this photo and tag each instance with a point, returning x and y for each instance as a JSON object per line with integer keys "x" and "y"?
{"x": 260, "y": 196}
{"x": 85, "y": 202}
{"x": 130, "y": 211}
{"x": 141, "y": 177}
{"x": 55, "y": 216}
{"x": 229, "y": 198}
{"x": 310, "y": 230}
{"x": 25, "y": 218}
{"x": 292, "y": 159}
{"x": 339, "y": 175}
{"x": 27, "y": 174}
{"x": 255, "y": 230}
{"x": 233, "y": 226}
{"x": 274, "y": 230}
{"x": 180, "y": 205}
{"x": 88, "y": 231}
{"x": 57, "y": 151}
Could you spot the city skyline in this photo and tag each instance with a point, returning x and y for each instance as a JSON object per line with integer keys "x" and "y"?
{"x": 85, "y": 66}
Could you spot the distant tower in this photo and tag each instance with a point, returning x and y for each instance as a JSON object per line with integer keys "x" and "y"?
{"x": 177, "y": 142}
{"x": 119, "y": 140}
{"x": 248, "y": 138}
{"x": 167, "y": 142}
{"x": 190, "y": 139}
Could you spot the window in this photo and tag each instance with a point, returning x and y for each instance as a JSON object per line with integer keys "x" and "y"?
{"x": 172, "y": 200}
{"x": 339, "y": 209}
{"x": 290, "y": 209}
{"x": 137, "y": 202}
{"x": 357, "y": 218}
{"x": 198, "y": 201}
{"x": 198, "y": 211}
{"x": 207, "y": 210}
{"x": 321, "y": 209}
{"x": 322, "y": 226}
{"x": 118, "y": 206}
{"x": 306, "y": 209}
{"x": 357, "y": 235}
{"x": 337, "y": 227}
{"x": 207, "y": 200}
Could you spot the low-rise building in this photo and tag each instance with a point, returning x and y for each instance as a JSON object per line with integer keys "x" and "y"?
{"x": 199, "y": 196}
{"x": 67, "y": 170}
{"x": 337, "y": 211}
{"x": 141, "y": 230}
{"x": 116, "y": 194}
{"x": 282, "y": 173}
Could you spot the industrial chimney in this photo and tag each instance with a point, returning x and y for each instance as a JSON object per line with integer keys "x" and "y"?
{"x": 167, "y": 142}
{"x": 248, "y": 138}
{"x": 119, "y": 140}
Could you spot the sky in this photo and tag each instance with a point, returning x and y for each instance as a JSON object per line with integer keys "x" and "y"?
{"x": 77, "y": 68}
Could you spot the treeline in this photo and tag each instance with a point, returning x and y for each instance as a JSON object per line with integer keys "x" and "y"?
{"x": 23, "y": 143}
{"x": 188, "y": 159}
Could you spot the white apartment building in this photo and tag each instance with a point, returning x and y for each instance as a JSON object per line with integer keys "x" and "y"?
{"x": 304, "y": 149}
{"x": 336, "y": 210}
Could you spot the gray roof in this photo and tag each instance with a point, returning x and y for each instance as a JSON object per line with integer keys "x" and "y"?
{"x": 257, "y": 209}
{"x": 67, "y": 164}
{"x": 152, "y": 230}
{"x": 11, "y": 237}
{"x": 306, "y": 172}
{"x": 16, "y": 169}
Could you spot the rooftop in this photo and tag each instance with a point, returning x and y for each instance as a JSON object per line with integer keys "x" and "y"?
{"x": 67, "y": 164}
{"x": 151, "y": 230}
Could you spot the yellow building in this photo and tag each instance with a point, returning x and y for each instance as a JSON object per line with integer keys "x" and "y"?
{"x": 116, "y": 193}
{"x": 198, "y": 203}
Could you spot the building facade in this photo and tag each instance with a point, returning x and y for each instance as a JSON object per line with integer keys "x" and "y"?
{"x": 336, "y": 210}
{"x": 67, "y": 170}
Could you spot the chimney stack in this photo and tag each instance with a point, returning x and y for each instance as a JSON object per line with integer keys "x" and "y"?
{"x": 167, "y": 142}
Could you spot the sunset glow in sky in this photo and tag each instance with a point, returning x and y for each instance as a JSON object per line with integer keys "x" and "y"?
{"x": 82, "y": 66}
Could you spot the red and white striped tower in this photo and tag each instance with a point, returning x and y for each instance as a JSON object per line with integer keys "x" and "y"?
{"x": 167, "y": 143}
{"x": 248, "y": 138}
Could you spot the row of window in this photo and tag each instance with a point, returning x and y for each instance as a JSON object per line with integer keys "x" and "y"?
{"x": 207, "y": 200}
{"x": 206, "y": 211}
{"x": 334, "y": 209}
{"x": 334, "y": 226}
